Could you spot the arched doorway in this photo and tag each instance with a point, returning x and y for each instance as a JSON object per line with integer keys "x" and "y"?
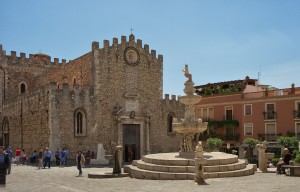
{"x": 5, "y": 133}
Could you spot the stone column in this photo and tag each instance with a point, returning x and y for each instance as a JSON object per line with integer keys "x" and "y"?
{"x": 199, "y": 164}
{"x": 262, "y": 160}
{"x": 147, "y": 124}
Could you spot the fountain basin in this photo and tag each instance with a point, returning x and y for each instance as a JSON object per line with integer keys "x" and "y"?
{"x": 190, "y": 100}
{"x": 189, "y": 128}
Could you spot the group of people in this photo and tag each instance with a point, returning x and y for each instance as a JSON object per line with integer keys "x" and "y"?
{"x": 61, "y": 156}
{"x": 42, "y": 158}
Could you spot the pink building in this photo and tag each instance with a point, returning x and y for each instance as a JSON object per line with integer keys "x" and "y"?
{"x": 242, "y": 108}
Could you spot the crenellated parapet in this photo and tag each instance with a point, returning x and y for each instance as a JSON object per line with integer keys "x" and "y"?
{"x": 124, "y": 43}
{"x": 171, "y": 102}
{"x": 22, "y": 60}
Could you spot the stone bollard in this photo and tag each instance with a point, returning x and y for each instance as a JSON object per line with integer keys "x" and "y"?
{"x": 199, "y": 164}
{"x": 262, "y": 156}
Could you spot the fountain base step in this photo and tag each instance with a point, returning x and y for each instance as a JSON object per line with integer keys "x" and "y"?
{"x": 169, "y": 166}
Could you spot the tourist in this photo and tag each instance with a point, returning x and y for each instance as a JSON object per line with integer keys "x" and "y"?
{"x": 80, "y": 162}
{"x": 57, "y": 156}
{"x": 67, "y": 153}
{"x": 40, "y": 159}
{"x": 4, "y": 161}
{"x": 93, "y": 155}
{"x": 23, "y": 156}
{"x": 285, "y": 161}
{"x": 10, "y": 155}
{"x": 63, "y": 154}
{"x": 33, "y": 158}
{"x": 47, "y": 156}
{"x": 88, "y": 157}
{"x": 18, "y": 155}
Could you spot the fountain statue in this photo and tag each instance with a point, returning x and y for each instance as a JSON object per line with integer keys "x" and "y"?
{"x": 189, "y": 126}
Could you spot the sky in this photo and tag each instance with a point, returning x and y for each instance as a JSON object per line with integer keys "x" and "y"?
{"x": 220, "y": 40}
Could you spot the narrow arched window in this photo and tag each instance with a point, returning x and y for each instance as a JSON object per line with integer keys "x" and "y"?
{"x": 22, "y": 88}
{"x": 170, "y": 121}
{"x": 80, "y": 121}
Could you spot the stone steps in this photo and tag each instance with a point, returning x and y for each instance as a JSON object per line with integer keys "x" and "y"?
{"x": 188, "y": 169}
{"x": 169, "y": 166}
{"x": 138, "y": 173}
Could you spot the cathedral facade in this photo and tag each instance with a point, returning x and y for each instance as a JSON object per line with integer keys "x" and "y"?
{"x": 112, "y": 93}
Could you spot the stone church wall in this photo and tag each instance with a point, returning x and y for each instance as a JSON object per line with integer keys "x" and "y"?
{"x": 28, "y": 120}
{"x": 77, "y": 71}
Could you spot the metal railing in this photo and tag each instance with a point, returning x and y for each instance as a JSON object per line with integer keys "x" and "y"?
{"x": 268, "y": 115}
{"x": 268, "y": 137}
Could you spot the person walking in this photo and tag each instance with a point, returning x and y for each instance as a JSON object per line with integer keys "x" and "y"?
{"x": 9, "y": 153}
{"x": 40, "y": 159}
{"x": 80, "y": 161}
{"x": 47, "y": 156}
{"x": 4, "y": 161}
{"x": 18, "y": 155}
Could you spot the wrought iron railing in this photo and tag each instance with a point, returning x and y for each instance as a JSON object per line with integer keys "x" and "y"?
{"x": 268, "y": 137}
{"x": 268, "y": 115}
{"x": 296, "y": 114}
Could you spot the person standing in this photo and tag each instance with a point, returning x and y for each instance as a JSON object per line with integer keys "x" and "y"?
{"x": 47, "y": 155}
{"x": 80, "y": 162}
{"x": 4, "y": 161}
{"x": 10, "y": 155}
{"x": 57, "y": 156}
{"x": 62, "y": 158}
{"x": 17, "y": 155}
{"x": 40, "y": 159}
{"x": 23, "y": 156}
{"x": 67, "y": 153}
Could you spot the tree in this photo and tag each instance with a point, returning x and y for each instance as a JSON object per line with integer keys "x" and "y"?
{"x": 251, "y": 142}
{"x": 214, "y": 143}
{"x": 251, "y": 145}
{"x": 288, "y": 142}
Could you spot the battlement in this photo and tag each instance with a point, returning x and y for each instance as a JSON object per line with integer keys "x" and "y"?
{"x": 124, "y": 42}
{"x": 173, "y": 97}
{"x": 33, "y": 59}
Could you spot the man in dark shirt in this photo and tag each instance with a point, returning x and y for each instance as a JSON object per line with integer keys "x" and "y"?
{"x": 286, "y": 160}
{"x": 4, "y": 161}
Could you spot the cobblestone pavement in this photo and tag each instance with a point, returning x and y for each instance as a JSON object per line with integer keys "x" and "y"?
{"x": 29, "y": 178}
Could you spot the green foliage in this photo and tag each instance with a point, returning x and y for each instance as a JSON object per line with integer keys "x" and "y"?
{"x": 251, "y": 142}
{"x": 224, "y": 123}
{"x": 288, "y": 142}
{"x": 297, "y": 159}
{"x": 275, "y": 161}
{"x": 214, "y": 143}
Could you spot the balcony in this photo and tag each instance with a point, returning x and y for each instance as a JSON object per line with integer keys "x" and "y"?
{"x": 268, "y": 137}
{"x": 270, "y": 115}
{"x": 296, "y": 114}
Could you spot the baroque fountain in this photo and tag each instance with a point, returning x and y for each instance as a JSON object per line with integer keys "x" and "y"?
{"x": 191, "y": 163}
{"x": 189, "y": 126}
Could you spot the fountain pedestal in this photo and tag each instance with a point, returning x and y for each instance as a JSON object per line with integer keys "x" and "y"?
{"x": 189, "y": 126}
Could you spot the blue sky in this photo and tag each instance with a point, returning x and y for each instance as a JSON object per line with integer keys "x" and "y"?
{"x": 219, "y": 40}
